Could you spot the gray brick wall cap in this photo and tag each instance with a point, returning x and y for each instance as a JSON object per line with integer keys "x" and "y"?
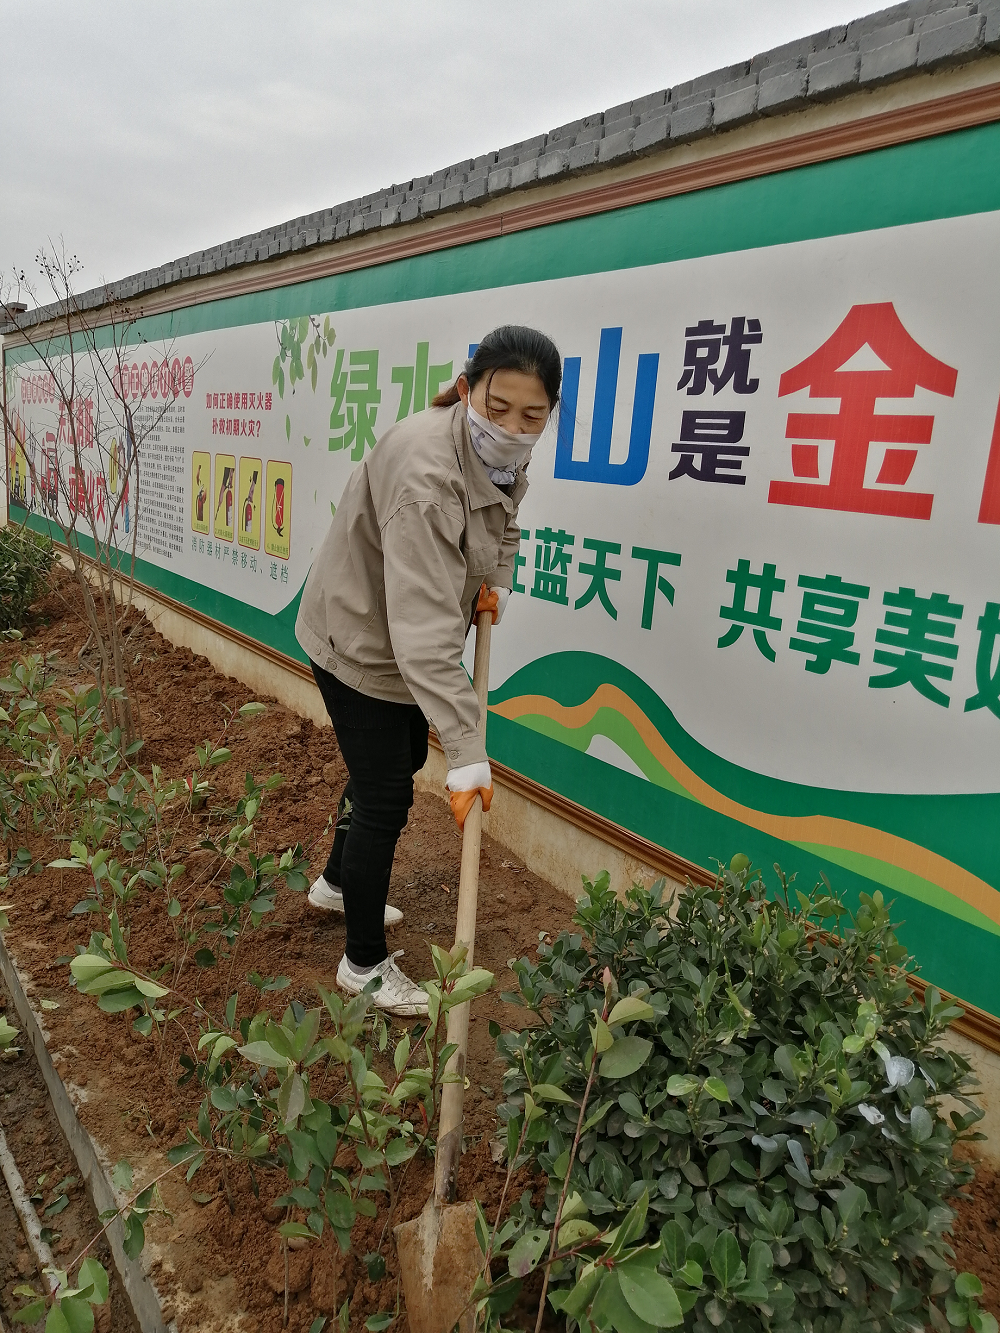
{"x": 943, "y": 16}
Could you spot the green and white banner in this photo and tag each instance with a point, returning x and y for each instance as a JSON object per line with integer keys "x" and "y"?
{"x": 757, "y": 606}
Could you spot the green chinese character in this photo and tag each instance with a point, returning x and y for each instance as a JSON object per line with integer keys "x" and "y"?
{"x": 419, "y": 383}
{"x": 519, "y": 562}
{"x": 987, "y": 679}
{"x": 599, "y": 574}
{"x": 552, "y": 562}
{"x": 917, "y": 622}
{"x": 761, "y": 619}
{"x": 654, "y": 579}
{"x": 356, "y": 397}
{"x": 829, "y": 611}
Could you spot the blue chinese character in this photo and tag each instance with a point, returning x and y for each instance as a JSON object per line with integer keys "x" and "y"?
{"x": 598, "y": 467}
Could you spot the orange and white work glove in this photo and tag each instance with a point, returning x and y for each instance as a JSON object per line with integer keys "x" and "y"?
{"x": 492, "y": 599}
{"x": 464, "y": 784}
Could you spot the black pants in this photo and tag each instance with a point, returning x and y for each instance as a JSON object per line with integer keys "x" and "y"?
{"x": 383, "y": 745}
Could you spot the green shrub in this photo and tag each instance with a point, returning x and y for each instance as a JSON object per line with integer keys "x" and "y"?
{"x": 26, "y": 559}
{"x": 760, "y": 1104}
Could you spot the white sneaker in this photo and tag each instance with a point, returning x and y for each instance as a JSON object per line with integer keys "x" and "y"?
{"x": 397, "y": 994}
{"x": 325, "y": 898}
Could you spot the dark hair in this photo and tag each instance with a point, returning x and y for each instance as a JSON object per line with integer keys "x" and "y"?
{"x": 511, "y": 347}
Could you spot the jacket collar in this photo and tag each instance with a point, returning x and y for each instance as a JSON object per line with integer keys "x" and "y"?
{"x": 480, "y": 489}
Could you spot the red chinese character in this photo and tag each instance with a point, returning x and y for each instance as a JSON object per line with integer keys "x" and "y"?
{"x": 208, "y": 401}
{"x": 989, "y": 508}
{"x": 85, "y": 423}
{"x": 267, "y": 402}
{"x": 856, "y": 427}
{"x": 243, "y": 401}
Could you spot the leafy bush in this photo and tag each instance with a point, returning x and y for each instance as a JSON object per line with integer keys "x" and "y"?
{"x": 26, "y": 559}
{"x": 740, "y": 1108}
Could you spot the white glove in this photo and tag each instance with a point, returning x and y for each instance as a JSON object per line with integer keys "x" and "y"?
{"x": 470, "y": 777}
{"x": 502, "y": 595}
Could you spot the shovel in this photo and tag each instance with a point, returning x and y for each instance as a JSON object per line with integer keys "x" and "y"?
{"x": 439, "y": 1254}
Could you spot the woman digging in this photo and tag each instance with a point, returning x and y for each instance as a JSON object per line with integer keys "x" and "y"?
{"x": 424, "y": 537}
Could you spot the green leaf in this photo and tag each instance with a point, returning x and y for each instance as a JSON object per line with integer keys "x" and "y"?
{"x": 922, "y": 1125}
{"x": 402, "y": 1053}
{"x": 650, "y": 1296}
{"x": 87, "y": 966}
{"x": 151, "y": 989}
{"x": 295, "y": 1231}
{"x": 117, "y": 1001}
{"x": 29, "y": 1314}
{"x": 527, "y": 1251}
{"x": 629, "y": 1009}
{"x": 681, "y": 1085}
{"x": 626, "y": 1056}
{"x": 760, "y": 1261}
{"x": 56, "y": 1321}
{"x": 263, "y": 1053}
{"x": 548, "y": 1092}
{"x": 375, "y": 1323}
{"x": 121, "y": 1176}
{"x": 717, "y": 1089}
{"x": 612, "y": 1310}
{"x": 852, "y": 1202}
{"x": 575, "y": 1232}
{"x": 967, "y": 1285}
{"x": 135, "y": 1236}
{"x": 727, "y": 1263}
{"x": 601, "y": 1035}
{"x": 674, "y": 1243}
{"x": 717, "y": 1167}
{"x": 78, "y": 1314}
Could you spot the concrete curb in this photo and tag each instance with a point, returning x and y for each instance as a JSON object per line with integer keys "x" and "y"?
{"x": 140, "y": 1292}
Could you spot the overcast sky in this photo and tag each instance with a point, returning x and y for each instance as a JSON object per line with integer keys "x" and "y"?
{"x": 142, "y": 131}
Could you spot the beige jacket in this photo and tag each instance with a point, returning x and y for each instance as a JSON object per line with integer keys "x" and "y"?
{"x": 391, "y": 593}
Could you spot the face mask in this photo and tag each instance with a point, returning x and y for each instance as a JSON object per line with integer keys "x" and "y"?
{"x": 501, "y": 452}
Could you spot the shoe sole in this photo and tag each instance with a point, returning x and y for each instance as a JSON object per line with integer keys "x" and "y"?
{"x": 320, "y": 910}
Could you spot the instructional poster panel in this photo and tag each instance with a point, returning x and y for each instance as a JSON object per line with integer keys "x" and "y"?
{"x": 757, "y": 602}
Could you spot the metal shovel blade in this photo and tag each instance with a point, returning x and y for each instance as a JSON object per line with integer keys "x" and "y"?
{"x": 439, "y": 1261}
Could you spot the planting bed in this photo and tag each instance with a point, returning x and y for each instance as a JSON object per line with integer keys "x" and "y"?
{"x": 207, "y": 1261}
{"x": 221, "y": 1267}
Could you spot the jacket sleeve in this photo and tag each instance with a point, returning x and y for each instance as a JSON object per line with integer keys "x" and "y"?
{"x": 509, "y": 547}
{"x": 425, "y": 576}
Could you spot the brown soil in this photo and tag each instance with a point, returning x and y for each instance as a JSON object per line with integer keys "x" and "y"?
{"x": 50, "y": 1174}
{"x": 977, "y": 1235}
{"x": 211, "y": 1262}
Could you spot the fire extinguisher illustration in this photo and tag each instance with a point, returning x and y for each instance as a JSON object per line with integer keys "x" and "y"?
{"x": 248, "y": 505}
{"x": 278, "y": 506}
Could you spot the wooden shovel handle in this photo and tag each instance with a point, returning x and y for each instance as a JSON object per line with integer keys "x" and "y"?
{"x": 449, "y": 1144}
